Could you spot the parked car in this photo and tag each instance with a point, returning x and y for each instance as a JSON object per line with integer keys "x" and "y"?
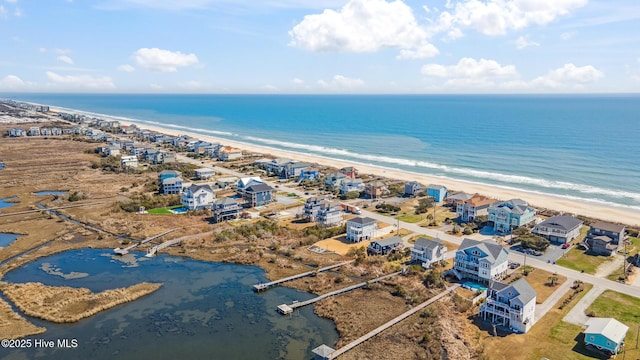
{"x": 514, "y": 265}
{"x": 566, "y": 245}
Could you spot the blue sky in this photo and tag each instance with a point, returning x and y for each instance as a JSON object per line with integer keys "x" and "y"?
{"x": 320, "y": 46}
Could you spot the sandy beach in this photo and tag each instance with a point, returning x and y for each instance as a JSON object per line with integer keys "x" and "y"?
{"x": 569, "y": 206}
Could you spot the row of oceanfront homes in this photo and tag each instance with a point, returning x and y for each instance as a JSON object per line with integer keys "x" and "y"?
{"x": 509, "y": 305}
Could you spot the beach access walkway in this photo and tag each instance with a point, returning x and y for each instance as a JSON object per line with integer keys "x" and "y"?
{"x": 325, "y": 352}
{"x": 264, "y": 286}
{"x": 285, "y": 309}
{"x": 126, "y": 250}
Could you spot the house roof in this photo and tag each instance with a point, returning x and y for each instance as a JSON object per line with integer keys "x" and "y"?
{"x": 194, "y": 188}
{"x": 564, "y": 222}
{"x": 388, "y": 241}
{"x": 607, "y": 226}
{"x": 495, "y": 253}
{"x": 169, "y": 172}
{"x": 519, "y": 289}
{"x": 514, "y": 206}
{"x": 610, "y": 328}
{"x": 204, "y": 170}
{"x": 428, "y": 244}
{"x": 438, "y": 187}
{"x": 172, "y": 180}
{"x": 247, "y": 180}
{"x": 362, "y": 220}
{"x": 261, "y": 187}
{"x": 459, "y": 196}
{"x": 479, "y": 200}
{"x": 226, "y": 201}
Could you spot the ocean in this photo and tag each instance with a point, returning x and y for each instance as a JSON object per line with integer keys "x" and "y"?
{"x": 581, "y": 147}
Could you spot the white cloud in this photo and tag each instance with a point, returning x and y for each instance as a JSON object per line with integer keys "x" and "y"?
{"x": 469, "y": 68}
{"x": 81, "y": 81}
{"x": 126, "y": 68}
{"x": 270, "y": 88}
{"x": 62, "y": 51}
{"x": 65, "y": 59}
{"x": 570, "y": 74}
{"x": 156, "y": 87}
{"x": 567, "y": 35}
{"x": 496, "y": 17}
{"x": 11, "y": 1}
{"x": 341, "y": 83}
{"x": 523, "y": 42}
{"x": 297, "y": 81}
{"x": 163, "y": 60}
{"x": 11, "y": 82}
{"x": 42, "y": 50}
{"x": 364, "y": 26}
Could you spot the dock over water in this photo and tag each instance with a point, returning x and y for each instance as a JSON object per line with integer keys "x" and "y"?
{"x": 126, "y": 250}
{"x": 285, "y": 309}
{"x": 325, "y": 352}
{"x": 264, "y": 286}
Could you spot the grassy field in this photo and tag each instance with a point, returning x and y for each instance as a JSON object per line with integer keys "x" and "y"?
{"x": 411, "y": 217}
{"x": 539, "y": 281}
{"x": 164, "y": 210}
{"x": 577, "y": 259}
{"x": 625, "y": 309}
{"x": 549, "y": 338}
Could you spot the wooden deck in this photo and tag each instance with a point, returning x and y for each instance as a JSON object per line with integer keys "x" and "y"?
{"x": 264, "y": 286}
{"x": 285, "y": 309}
{"x": 126, "y": 250}
{"x": 381, "y": 328}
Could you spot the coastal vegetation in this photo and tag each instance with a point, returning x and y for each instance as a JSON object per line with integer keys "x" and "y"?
{"x": 14, "y": 326}
{"x": 67, "y": 304}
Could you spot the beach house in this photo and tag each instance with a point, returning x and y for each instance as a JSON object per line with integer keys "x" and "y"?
{"x": 197, "y": 197}
{"x": 171, "y": 185}
{"x": 309, "y": 173}
{"x": 437, "y": 192}
{"x": 205, "y": 173}
{"x": 480, "y": 261}
{"x": 350, "y": 172}
{"x": 255, "y": 191}
{"x": 375, "y": 189}
{"x": 225, "y": 209}
{"x": 510, "y": 305}
{"x": 604, "y": 238}
{"x": 348, "y": 185}
{"x": 361, "y": 228}
{"x": 312, "y": 207}
{"x": 605, "y": 334}
{"x": 457, "y": 197}
{"x": 508, "y": 215}
{"x": 329, "y": 215}
{"x": 477, "y": 205}
{"x": 559, "y": 229}
{"x": 129, "y": 161}
{"x": 17, "y": 132}
{"x": 385, "y": 246}
{"x": 333, "y": 180}
{"x": 228, "y": 153}
{"x": 293, "y": 169}
{"x": 412, "y": 188}
{"x": 427, "y": 252}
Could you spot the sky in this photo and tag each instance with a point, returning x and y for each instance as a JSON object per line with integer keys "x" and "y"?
{"x": 320, "y": 46}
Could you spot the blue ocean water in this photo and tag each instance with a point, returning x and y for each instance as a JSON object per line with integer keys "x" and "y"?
{"x": 579, "y": 146}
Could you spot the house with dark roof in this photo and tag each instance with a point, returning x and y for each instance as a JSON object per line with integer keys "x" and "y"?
{"x": 604, "y": 238}
{"x": 508, "y": 215}
{"x": 457, "y": 197}
{"x": 510, "y": 305}
{"x": 361, "y": 228}
{"x": 225, "y": 209}
{"x": 475, "y": 206}
{"x": 172, "y": 185}
{"x": 293, "y": 169}
{"x": 311, "y": 207}
{"x": 384, "y": 246}
{"x": 348, "y": 185}
{"x": 605, "y": 334}
{"x": 480, "y": 261}
{"x": 197, "y": 197}
{"x": 428, "y": 252}
{"x": 412, "y": 188}
{"x": 259, "y": 194}
{"x": 559, "y": 229}
{"x": 329, "y": 214}
{"x": 333, "y": 180}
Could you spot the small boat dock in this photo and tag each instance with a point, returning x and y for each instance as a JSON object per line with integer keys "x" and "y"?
{"x": 264, "y": 286}
{"x": 285, "y": 309}
{"x": 126, "y": 250}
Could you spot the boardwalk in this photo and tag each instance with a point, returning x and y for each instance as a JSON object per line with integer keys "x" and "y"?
{"x": 125, "y": 251}
{"x": 383, "y": 327}
{"x": 51, "y": 209}
{"x": 285, "y": 309}
{"x": 264, "y": 286}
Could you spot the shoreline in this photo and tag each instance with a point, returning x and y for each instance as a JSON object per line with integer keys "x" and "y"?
{"x": 540, "y": 200}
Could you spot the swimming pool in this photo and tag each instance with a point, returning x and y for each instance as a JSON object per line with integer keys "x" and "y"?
{"x": 473, "y": 286}
{"x": 181, "y": 210}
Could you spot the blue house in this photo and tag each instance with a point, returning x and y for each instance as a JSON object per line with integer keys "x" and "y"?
{"x": 309, "y": 174}
{"x": 437, "y": 192}
{"x": 605, "y": 334}
{"x": 167, "y": 174}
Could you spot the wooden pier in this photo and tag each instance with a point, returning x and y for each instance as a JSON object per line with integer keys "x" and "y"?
{"x": 125, "y": 251}
{"x": 325, "y": 352}
{"x": 264, "y": 286}
{"x": 285, "y": 309}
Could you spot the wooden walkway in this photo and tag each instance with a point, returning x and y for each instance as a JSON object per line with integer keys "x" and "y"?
{"x": 285, "y": 309}
{"x": 126, "y": 250}
{"x": 264, "y": 286}
{"x": 383, "y": 327}
{"x": 53, "y": 208}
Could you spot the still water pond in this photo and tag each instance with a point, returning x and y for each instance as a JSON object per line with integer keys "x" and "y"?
{"x": 203, "y": 311}
{"x": 6, "y": 202}
{"x": 50, "y": 192}
{"x": 6, "y": 239}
